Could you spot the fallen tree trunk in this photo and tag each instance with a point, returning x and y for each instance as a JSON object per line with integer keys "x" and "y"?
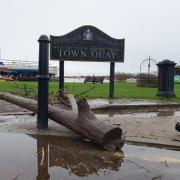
{"x": 79, "y": 119}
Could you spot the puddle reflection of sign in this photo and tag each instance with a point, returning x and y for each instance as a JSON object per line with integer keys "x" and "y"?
{"x": 87, "y": 43}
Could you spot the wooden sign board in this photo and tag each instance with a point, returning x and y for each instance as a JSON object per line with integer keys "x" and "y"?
{"x": 86, "y": 43}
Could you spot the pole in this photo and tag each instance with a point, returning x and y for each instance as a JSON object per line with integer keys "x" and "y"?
{"x": 43, "y": 82}
{"x": 61, "y": 76}
{"x": 111, "y": 85}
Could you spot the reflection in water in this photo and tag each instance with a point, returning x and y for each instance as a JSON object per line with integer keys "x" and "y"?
{"x": 165, "y": 112}
{"x": 79, "y": 158}
{"x": 42, "y": 158}
{"x": 118, "y": 113}
{"x": 60, "y": 158}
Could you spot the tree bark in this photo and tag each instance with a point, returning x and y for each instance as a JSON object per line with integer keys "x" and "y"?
{"x": 79, "y": 119}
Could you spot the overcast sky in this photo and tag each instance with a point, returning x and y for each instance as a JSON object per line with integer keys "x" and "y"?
{"x": 150, "y": 27}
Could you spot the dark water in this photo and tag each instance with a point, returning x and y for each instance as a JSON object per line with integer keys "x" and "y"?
{"x": 29, "y": 157}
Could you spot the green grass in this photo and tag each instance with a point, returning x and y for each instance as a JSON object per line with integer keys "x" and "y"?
{"x": 122, "y": 90}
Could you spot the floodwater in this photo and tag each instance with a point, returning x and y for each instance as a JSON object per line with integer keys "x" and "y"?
{"x": 30, "y": 157}
{"x": 160, "y": 112}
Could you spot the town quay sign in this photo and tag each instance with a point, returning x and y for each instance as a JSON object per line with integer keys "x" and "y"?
{"x": 87, "y": 43}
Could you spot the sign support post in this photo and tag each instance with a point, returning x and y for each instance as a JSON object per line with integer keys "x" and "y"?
{"x": 61, "y": 76}
{"x": 111, "y": 80}
{"x": 43, "y": 82}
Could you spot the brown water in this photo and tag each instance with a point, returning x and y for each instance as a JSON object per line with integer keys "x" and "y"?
{"x": 26, "y": 157}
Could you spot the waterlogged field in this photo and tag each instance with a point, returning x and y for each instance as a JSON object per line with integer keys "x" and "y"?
{"x": 88, "y": 90}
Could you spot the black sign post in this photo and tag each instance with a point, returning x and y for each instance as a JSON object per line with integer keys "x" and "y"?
{"x": 61, "y": 76}
{"x": 43, "y": 82}
{"x": 111, "y": 80}
{"x": 87, "y": 43}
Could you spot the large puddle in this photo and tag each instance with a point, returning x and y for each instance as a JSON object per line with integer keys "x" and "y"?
{"x": 115, "y": 113}
{"x": 30, "y": 157}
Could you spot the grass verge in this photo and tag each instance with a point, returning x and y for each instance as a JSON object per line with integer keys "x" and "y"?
{"x": 121, "y": 90}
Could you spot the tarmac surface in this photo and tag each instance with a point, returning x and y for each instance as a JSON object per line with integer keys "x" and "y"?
{"x": 153, "y": 127}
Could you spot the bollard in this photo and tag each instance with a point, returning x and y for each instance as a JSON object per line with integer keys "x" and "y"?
{"x": 43, "y": 82}
{"x": 166, "y": 78}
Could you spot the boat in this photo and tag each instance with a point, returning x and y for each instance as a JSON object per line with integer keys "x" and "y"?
{"x": 24, "y": 70}
{"x": 4, "y": 72}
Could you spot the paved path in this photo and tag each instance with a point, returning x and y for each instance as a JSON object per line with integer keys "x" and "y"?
{"x": 148, "y": 128}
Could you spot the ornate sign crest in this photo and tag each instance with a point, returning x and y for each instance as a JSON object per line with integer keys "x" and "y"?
{"x": 88, "y": 35}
